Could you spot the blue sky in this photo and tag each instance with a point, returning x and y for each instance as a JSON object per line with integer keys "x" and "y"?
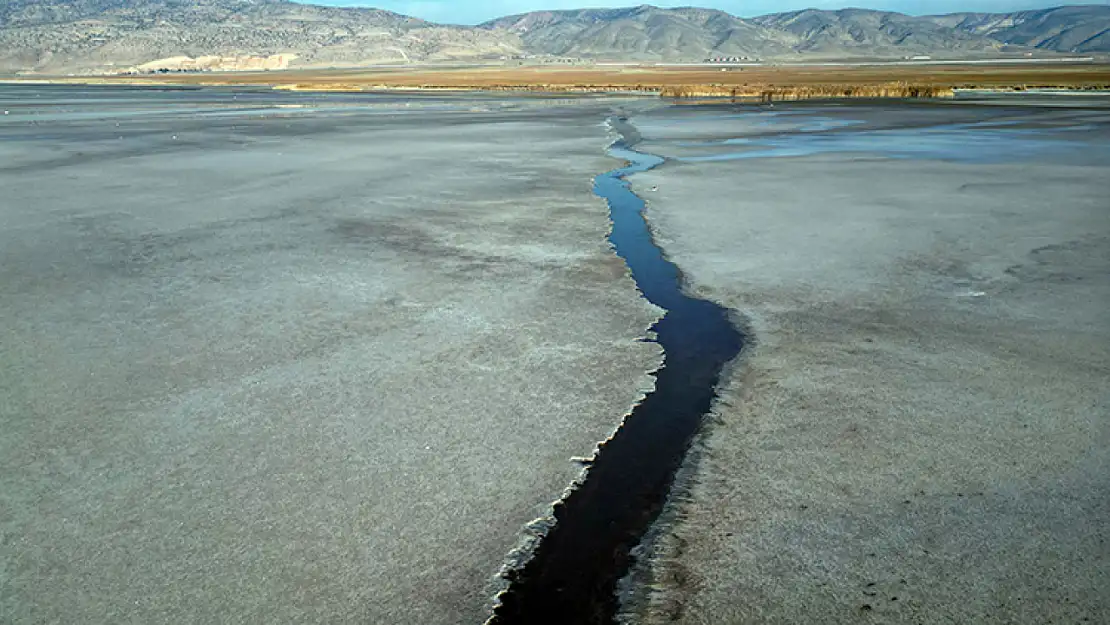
{"x": 474, "y": 11}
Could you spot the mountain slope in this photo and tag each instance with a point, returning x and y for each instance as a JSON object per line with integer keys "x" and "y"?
{"x": 113, "y": 35}
{"x": 1075, "y": 29}
{"x": 690, "y": 34}
{"x": 859, "y": 32}
{"x": 643, "y": 33}
{"x": 98, "y": 35}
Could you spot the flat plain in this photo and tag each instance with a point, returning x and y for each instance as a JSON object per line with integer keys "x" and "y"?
{"x": 919, "y": 431}
{"x": 690, "y": 80}
{"x": 293, "y": 357}
{"x": 271, "y": 358}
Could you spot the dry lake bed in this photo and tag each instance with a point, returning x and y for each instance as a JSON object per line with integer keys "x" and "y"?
{"x": 283, "y": 357}
{"x": 919, "y": 428}
{"x": 270, "y": 359}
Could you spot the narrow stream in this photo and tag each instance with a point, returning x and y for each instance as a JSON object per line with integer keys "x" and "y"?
{"x": 572, "y": 577}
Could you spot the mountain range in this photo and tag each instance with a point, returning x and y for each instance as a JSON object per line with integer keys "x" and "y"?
{"x": 96, "y": 36}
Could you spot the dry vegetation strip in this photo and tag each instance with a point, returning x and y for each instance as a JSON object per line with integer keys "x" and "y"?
{"x": 766, "y": 82}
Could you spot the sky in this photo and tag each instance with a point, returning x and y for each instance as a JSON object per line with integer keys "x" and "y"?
{"x": 475, "y": 11}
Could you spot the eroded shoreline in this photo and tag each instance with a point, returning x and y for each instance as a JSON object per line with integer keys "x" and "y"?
{"x": 573, "y": 573}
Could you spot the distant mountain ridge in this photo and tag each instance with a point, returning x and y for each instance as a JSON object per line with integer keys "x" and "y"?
{"x": 651, "y": 33}
{"x": 1076, "y": 29}
{"x": 643, "y": 33}
{"x": 858, "y": 32}
{"x": 100, "y": 35}
{"x": 117, "y": 35}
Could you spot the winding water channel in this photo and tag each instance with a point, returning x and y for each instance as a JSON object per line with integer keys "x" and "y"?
{"x": 572, "y": 577}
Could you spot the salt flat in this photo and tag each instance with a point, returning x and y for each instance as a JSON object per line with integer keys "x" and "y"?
{"x": 919, "y": 431}
{"x": 295, "y": 358}
{"x": 281, "y": 358}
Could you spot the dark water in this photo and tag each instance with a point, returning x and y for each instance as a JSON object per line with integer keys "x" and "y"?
{"x": 572, "y": 577}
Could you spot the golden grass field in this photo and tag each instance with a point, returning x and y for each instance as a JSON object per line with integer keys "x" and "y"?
{"x": 765, "y": 82}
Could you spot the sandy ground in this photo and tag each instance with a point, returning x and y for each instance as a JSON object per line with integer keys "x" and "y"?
{"x": 920, "y": 433}
{"x": 266, "y": 365}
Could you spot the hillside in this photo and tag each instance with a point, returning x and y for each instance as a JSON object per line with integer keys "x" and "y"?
{"x": 644, "y": 33}
{"x": 1074, "y": 29}
{"x": 102, "y": 35}
{"x": 111, "y": 36}
{"x": 650, "y": 33}
{"x": 690, "y": 34}
{"x": 858, "y": 32}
